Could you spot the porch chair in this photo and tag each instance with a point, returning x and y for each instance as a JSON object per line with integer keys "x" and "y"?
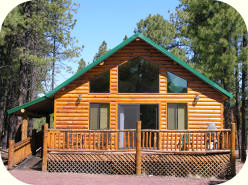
{"x": 187, "y": 135}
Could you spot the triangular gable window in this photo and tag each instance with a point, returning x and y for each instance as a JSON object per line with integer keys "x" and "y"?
{"x": 176, "y": 84}
{"x": 138, "y": 76}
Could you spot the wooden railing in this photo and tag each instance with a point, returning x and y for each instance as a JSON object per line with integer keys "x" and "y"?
{"x": 24, "y": 148}
{"x": 151, "y": 140}
{"x": 186, "y": 140}
{"x": 18, "y": 151}
{"x": 90, "y": 140}
{"x": 138, "y": 140}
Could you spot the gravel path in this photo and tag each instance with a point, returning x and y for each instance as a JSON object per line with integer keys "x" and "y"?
{"x": 45, "y": 178}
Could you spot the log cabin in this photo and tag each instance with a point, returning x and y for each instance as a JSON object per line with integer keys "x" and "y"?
{"x": 137, "y": 98}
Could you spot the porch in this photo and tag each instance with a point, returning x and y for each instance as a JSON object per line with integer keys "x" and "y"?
{"x": 134, "y": 151}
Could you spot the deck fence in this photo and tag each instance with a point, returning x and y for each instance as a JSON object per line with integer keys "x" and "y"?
{"x": 23, "y": 149}
{"x": 177, "y": 142}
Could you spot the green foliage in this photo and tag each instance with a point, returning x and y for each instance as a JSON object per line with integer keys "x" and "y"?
{"x": 101, "y": 51}
{"x": 81, "y": 65}
{"x": 34, "y": 36}
{"x": 162, "y": 32}
{"x": 210, "y": 29}
{"x": 125, "y": 38}
{"x": 38, "y": 123}
{"x": 62, "y": 45}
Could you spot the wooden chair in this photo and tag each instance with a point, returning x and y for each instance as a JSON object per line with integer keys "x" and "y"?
{"x": 184, "y": 145}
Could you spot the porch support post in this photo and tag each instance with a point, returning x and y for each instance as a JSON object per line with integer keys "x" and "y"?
{"x": 233, "y": 158}
{"x": 11, "y": 154}
{"x": 44, "y": 156}
{"x": 48, "y": 120}
{"x": 138, "y": 148}
{"x": 24, "y": 128}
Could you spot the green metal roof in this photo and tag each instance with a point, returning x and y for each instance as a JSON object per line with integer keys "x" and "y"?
{"x": 109, "y": 53}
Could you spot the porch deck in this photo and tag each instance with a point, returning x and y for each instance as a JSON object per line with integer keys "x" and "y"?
{"x": 159, "y": 152}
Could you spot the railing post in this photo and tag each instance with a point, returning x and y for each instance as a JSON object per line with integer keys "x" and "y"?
{"x": 44, "y": 156}
{"x": 159, "y": 140}
{"x": 138, "y": 148}
{"x": 233, "y": 161}
{"x": 11, "y": 154}
{"x": 24, "y": 128}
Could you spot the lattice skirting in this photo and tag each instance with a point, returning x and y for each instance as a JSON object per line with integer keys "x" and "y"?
{"x": 205, "y": 165}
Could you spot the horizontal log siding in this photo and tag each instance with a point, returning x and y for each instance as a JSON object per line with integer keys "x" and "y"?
{"x": 71, "y": 113}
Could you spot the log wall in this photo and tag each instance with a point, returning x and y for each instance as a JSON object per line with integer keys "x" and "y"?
{"x": 72, "y": 113}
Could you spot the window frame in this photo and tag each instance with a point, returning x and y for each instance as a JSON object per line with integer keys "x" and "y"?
{"x": 186, "y": 116}
{"x": 99, "y": 116}
{"x": 168, "y": 86}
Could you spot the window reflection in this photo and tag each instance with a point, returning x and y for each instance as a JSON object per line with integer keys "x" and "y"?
{"x": 138, "y": 76}
{"x": 100, "y": 83}
{"x": 176, "y": 84}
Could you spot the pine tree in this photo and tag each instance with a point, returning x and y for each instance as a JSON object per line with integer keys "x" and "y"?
{"x": 81, "y": 65}
{"x": 125, "y": 38}
{"x": 101, "y": 51}
{"x": 26, "y": 40}
{"x": 162, "y": 32}
{"x": 61, "y": 22}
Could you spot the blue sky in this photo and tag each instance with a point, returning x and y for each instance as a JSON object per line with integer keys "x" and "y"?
{"x": 111, "y": 20}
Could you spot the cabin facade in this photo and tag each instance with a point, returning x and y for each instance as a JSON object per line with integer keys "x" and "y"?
{"x": 100, "y": 109}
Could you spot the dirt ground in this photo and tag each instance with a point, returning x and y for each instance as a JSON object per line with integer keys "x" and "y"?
{"x": 45, "y": 178}
{"x": 30, "y": 173}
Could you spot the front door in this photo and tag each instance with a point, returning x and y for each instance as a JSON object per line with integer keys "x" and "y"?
{"x": 129, "y": 114}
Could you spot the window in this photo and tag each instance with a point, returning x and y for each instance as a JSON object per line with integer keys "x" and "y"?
{"x": 138, "y": 76}
{"x": 176, "y": 84}
{"x": 177, "y": 116}
{"x": 99, "y": 116}
{"x": 100, "y": 83}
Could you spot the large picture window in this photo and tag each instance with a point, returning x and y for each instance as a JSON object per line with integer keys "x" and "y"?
{"x": 138, "y": 76}
{"x": 100, "y": 83}
{"x": 99, "y": 116}
{"x": 176, "y": 84}
{"x": 176, "y": 116}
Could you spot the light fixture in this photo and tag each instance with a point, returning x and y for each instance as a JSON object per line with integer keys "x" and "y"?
{"x": 79, "y": 97}
{"x": 196, "y": 99}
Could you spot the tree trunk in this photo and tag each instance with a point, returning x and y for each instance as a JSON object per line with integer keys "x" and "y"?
{"x": 2, "y": 102}
{"x": 237, "y": 106}
{"x": 244, "y": 105}
{"x": 53, "y": 63}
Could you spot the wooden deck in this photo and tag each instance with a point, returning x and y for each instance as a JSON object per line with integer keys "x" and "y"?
{"x": 156, "y": 152}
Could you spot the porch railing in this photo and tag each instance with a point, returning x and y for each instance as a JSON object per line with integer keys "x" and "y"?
{"x": 18, "y": 151}
{"x": 151, "y": 140}
{"x": 23, "y": 149}
{"x": 139, "y": 140}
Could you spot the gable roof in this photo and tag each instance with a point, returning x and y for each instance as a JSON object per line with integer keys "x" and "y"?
{"x": 50, "y": 94}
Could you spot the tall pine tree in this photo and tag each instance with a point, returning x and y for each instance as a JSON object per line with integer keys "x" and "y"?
{"x": 162, "y": 32}
{"x": 103, "y": 48}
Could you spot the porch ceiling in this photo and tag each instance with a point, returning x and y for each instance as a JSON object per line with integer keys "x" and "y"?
{"x": 35, "y": 109}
